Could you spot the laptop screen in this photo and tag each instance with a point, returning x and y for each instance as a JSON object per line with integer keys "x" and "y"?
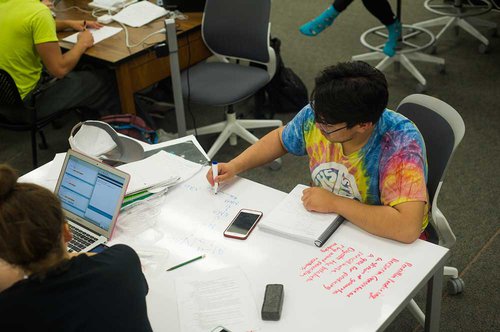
{"x": 90, "y": 192}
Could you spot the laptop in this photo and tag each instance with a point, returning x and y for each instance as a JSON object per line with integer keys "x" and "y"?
{"x": 91, "y": 195}
{"x": 185, "y": 6}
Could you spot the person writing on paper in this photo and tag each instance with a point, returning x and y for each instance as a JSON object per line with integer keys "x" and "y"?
{"x": 28, "y": 42}
{"x": 43, "y": 287}
{"x": 367, "y": 163}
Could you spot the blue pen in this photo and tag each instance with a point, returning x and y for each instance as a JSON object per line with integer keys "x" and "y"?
{"x": 215, "y": 172}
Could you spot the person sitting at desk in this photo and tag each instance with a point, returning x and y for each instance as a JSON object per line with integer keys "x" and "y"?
{"x": 29, "y": 39}
{"x": 367, "y": 163}
{"x": 43, "y": 287}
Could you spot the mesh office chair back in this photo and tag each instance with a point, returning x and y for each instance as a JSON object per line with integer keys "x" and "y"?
{"x": 12, "y": 109}
{"x": 10, "y": 100}
{"x": 238, "y": 29}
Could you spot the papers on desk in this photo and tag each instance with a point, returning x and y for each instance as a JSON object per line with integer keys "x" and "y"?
{"x": 98, "y": 34}
{"x": 46, "y": 175}
{"x": 220, "y": 297}
{"x": 139, "y": 14}
{"x": 290, "y": 219}
{"x": 160, "y": 170}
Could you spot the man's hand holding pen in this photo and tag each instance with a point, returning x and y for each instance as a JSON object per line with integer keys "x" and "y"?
{"x": 85, "y": 37}
{"x": 225, "y": 171}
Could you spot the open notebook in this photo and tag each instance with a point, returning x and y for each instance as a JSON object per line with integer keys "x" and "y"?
{"x": 290, "y": 219}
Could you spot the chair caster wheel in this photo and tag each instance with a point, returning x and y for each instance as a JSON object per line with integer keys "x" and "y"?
{"x": 275, "y": 164}
{"x": 433, "y": 49}
{"x": 483, "y": 48}
{"x": 456, "y": 30}
{"x": 494, "y": 33}
{"x": 455, "y": 286}
{"x": 420, "y": 88}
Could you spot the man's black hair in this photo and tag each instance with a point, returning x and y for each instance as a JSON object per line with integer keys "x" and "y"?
{"x": 351, "y": 93}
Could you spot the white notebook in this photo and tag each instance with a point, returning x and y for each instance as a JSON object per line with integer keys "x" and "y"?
{"x": 290, "y": 219}
{"x": 139, "y": 14}
{"x": 98, "y": 34}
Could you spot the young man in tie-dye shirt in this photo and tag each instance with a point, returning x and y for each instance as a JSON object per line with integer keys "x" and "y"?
{"x": 367, "y": 163}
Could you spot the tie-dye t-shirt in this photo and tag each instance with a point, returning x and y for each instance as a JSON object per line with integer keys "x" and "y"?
{"x": 389, "y": 169}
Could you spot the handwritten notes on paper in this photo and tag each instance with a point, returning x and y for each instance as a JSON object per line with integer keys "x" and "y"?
{"x": 344, "y": 271}
{"x": 219, "y": 297}
{"x": 195, "y": 200}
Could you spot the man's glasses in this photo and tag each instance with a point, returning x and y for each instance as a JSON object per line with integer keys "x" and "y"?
{"x": 322, "y": 126}
{"x": 325, "y": 131}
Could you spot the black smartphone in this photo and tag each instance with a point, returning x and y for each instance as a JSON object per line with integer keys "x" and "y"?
{"x": 99, "y": 248}
{"x": 243, "y": 224}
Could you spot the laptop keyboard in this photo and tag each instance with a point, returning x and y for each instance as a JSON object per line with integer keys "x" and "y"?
{"x": 80, "y": 240}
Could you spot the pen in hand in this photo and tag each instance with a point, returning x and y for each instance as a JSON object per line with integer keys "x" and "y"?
{"x": 215, "y": 172}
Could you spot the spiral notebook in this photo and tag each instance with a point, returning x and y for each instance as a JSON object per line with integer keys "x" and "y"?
{"x": 291, "y": 220}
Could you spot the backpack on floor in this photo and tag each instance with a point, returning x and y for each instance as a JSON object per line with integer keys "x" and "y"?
{"x": 286, "y": 91}
{"x": 133, "y": 126}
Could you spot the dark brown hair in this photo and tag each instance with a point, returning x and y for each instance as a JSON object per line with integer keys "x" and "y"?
{"x": 31, "y": 222}
{"x": 350, "y": 92}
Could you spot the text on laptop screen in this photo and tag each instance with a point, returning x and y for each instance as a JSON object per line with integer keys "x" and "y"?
{"x": 90, "y": 192}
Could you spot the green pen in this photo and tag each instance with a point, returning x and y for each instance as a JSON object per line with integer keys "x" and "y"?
{"x": 185, "y": 263}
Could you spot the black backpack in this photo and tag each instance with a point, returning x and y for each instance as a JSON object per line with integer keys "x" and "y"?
{"x": 286, "y": 91}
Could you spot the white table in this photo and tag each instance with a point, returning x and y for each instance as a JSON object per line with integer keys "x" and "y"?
{"x": 188, "y": 227}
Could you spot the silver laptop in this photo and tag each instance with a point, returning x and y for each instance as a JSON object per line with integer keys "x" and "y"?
{"x": 91, "y": 195}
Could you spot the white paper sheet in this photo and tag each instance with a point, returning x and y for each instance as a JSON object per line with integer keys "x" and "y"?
{"x": 158, "y": 168}
{"x": 139, "y": 14}
{"x": 220, "y": 297}
{"x": 98, "y": 34}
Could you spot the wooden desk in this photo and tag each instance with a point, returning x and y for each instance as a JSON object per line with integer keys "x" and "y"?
{"x": 139, "y": 67}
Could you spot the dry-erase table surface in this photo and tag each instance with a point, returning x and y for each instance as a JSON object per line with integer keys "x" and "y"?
{"x": 139, "y": 67}
{"x": 355, "y": 282}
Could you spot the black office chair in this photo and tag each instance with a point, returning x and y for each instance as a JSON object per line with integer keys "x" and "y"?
{"x": 11, "y": 103}
{"x": 442, "y": 128}
{"x": 236, "y": 32}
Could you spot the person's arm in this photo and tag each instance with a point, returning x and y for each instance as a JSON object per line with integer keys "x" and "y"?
{"x": 265, "y": 150}
{"x": 402, "y": 222}
{"x": 77, "y": 25}
{"x": 59, "y": 64}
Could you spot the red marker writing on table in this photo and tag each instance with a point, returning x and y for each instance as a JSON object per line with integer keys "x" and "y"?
{"x": 215, "y": 172}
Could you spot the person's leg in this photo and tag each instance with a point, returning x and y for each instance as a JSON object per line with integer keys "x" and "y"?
{"x": 381, "y": 9}
{"x": 92, "y": 90}
{"x": 326, "y": 18}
